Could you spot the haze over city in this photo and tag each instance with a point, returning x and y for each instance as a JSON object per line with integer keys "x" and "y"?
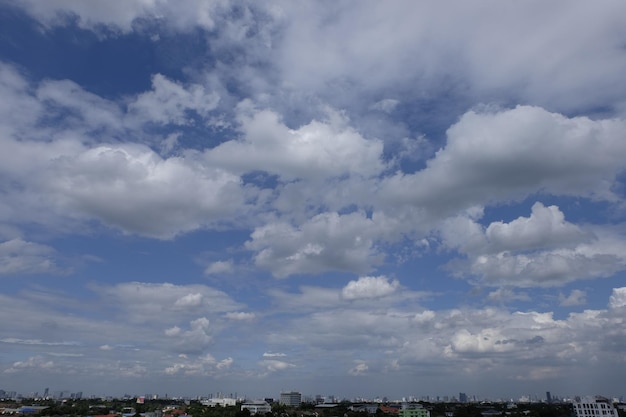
{"x": 336, "y": 197}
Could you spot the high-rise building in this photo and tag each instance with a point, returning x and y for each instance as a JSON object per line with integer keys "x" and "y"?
{"x": 291, "y": 398}
{"x": 462, "y": 397}
{"x": 594, "y": 407}
{"x": 548, "y": 397}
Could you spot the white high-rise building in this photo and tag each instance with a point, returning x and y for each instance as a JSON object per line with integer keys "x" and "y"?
{"x": 594, "y": 407}
{"x": 291, "y": 398}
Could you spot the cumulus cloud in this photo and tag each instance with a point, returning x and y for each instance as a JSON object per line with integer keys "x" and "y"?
{"x": 504, "y": 155}
{"x": 540, "y": 250}
{"x": 204, "y": 365}
{"x": 35, "y": 362}
{"x": 328, "y": 241}
{"x": 189, "y": 300}
{"x": 273, "y": 365}
{"x": 194, "y": 340}
{"x": 124, "y": 185}
{"x": 170, "y": 102}
{"x": 369, "y": 287}
{"x": 319, "y": 149}
{"x": 21, "y": 257}
{"x": 618, "y": 298}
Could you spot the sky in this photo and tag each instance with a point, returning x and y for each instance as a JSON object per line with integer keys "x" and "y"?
{"x": 349, "y": 198}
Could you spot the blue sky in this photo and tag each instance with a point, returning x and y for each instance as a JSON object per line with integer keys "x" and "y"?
{"x": 341, "y": 198}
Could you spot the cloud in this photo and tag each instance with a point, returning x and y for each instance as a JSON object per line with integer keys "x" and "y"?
{"x": 240, "y": 316}
{"x": 121, "y": 16}
{"x": 21, "y": 257}
{"x": 35, "y": 362}
{"x": 368, "y": 288}
{"x": 141, "y": 302}
{"x": 194, "y": 340}
{"x": 273, "y": 355}
{"x": 170, "y": 102}
{"x": 81, "y": 168}
{"x": 546, "y": 227}
{"x": 618, "y": 298}
{"x": 273, "y": 365}
{"x": 162, "y": 198}
{"x": 189, "y": 300}
{"x": 575, "y": 298}
{"x": 205, "y": 365}
{"x": 317, "y": 150}
{"x": 507, "y": 294}
{"x": 219, "y": 267}
{"x": 359, "y": 369}
{"x": 326, "y": 242}
{"x": 540, "y": 250}
{"x": 387, "y": 105}
{"x": 504, "y": 156}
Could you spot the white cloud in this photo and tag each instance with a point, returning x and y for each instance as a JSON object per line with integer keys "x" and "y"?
{"x": 141, "y": 302}
{"x": 219, "y": 267}
{"x": 502, "y": 156}
{"x": 328, "y": 241}
{"x": 545, "y": 227}
{"x": 20, "y": 257}
{"x": 37, "y": 363}
{"x": 618, "y": 298}
{"x": 204, "y": 365}
{"x": 507, "y": 294}
{"x": 273, "y": 365}
{"x": 121, "y": 15}
{"x": 195, "y": 340}
{"x": 240, "y": 316}
{"x": 273, "y": 355}
{"x": 575, "y": 298}
{"x": 369, "y": 287}
{"x": 132, "y": 188}
{"x": 169, "y": 102}
{"x": 540, "y": 250}
{"x": 319, "y": 149}
{"x": 359, "y": 369}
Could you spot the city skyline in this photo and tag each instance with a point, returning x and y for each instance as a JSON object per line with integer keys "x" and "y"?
{"x": 365, "y": 198}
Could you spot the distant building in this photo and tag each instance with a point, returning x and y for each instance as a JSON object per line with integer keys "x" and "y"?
{"x": 222, "y": 402}
{"x": 413, "y": 410}
{"x": 291, "y": 398}
{"x": 594, "y": 407}
{"x": 369, "y": 408}
{"x": 548, "y": 397}
{"x": 462, "y": 397}
{"x": 257, "y": 407}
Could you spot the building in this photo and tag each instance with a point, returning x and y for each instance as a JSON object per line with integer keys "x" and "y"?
{"x": 291, "y": 398}
{"x": 413, "y": 410}
{"x": 219, "y": 402}
{"x": 257, "y": 407}
{"x": 594, "y": 407}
